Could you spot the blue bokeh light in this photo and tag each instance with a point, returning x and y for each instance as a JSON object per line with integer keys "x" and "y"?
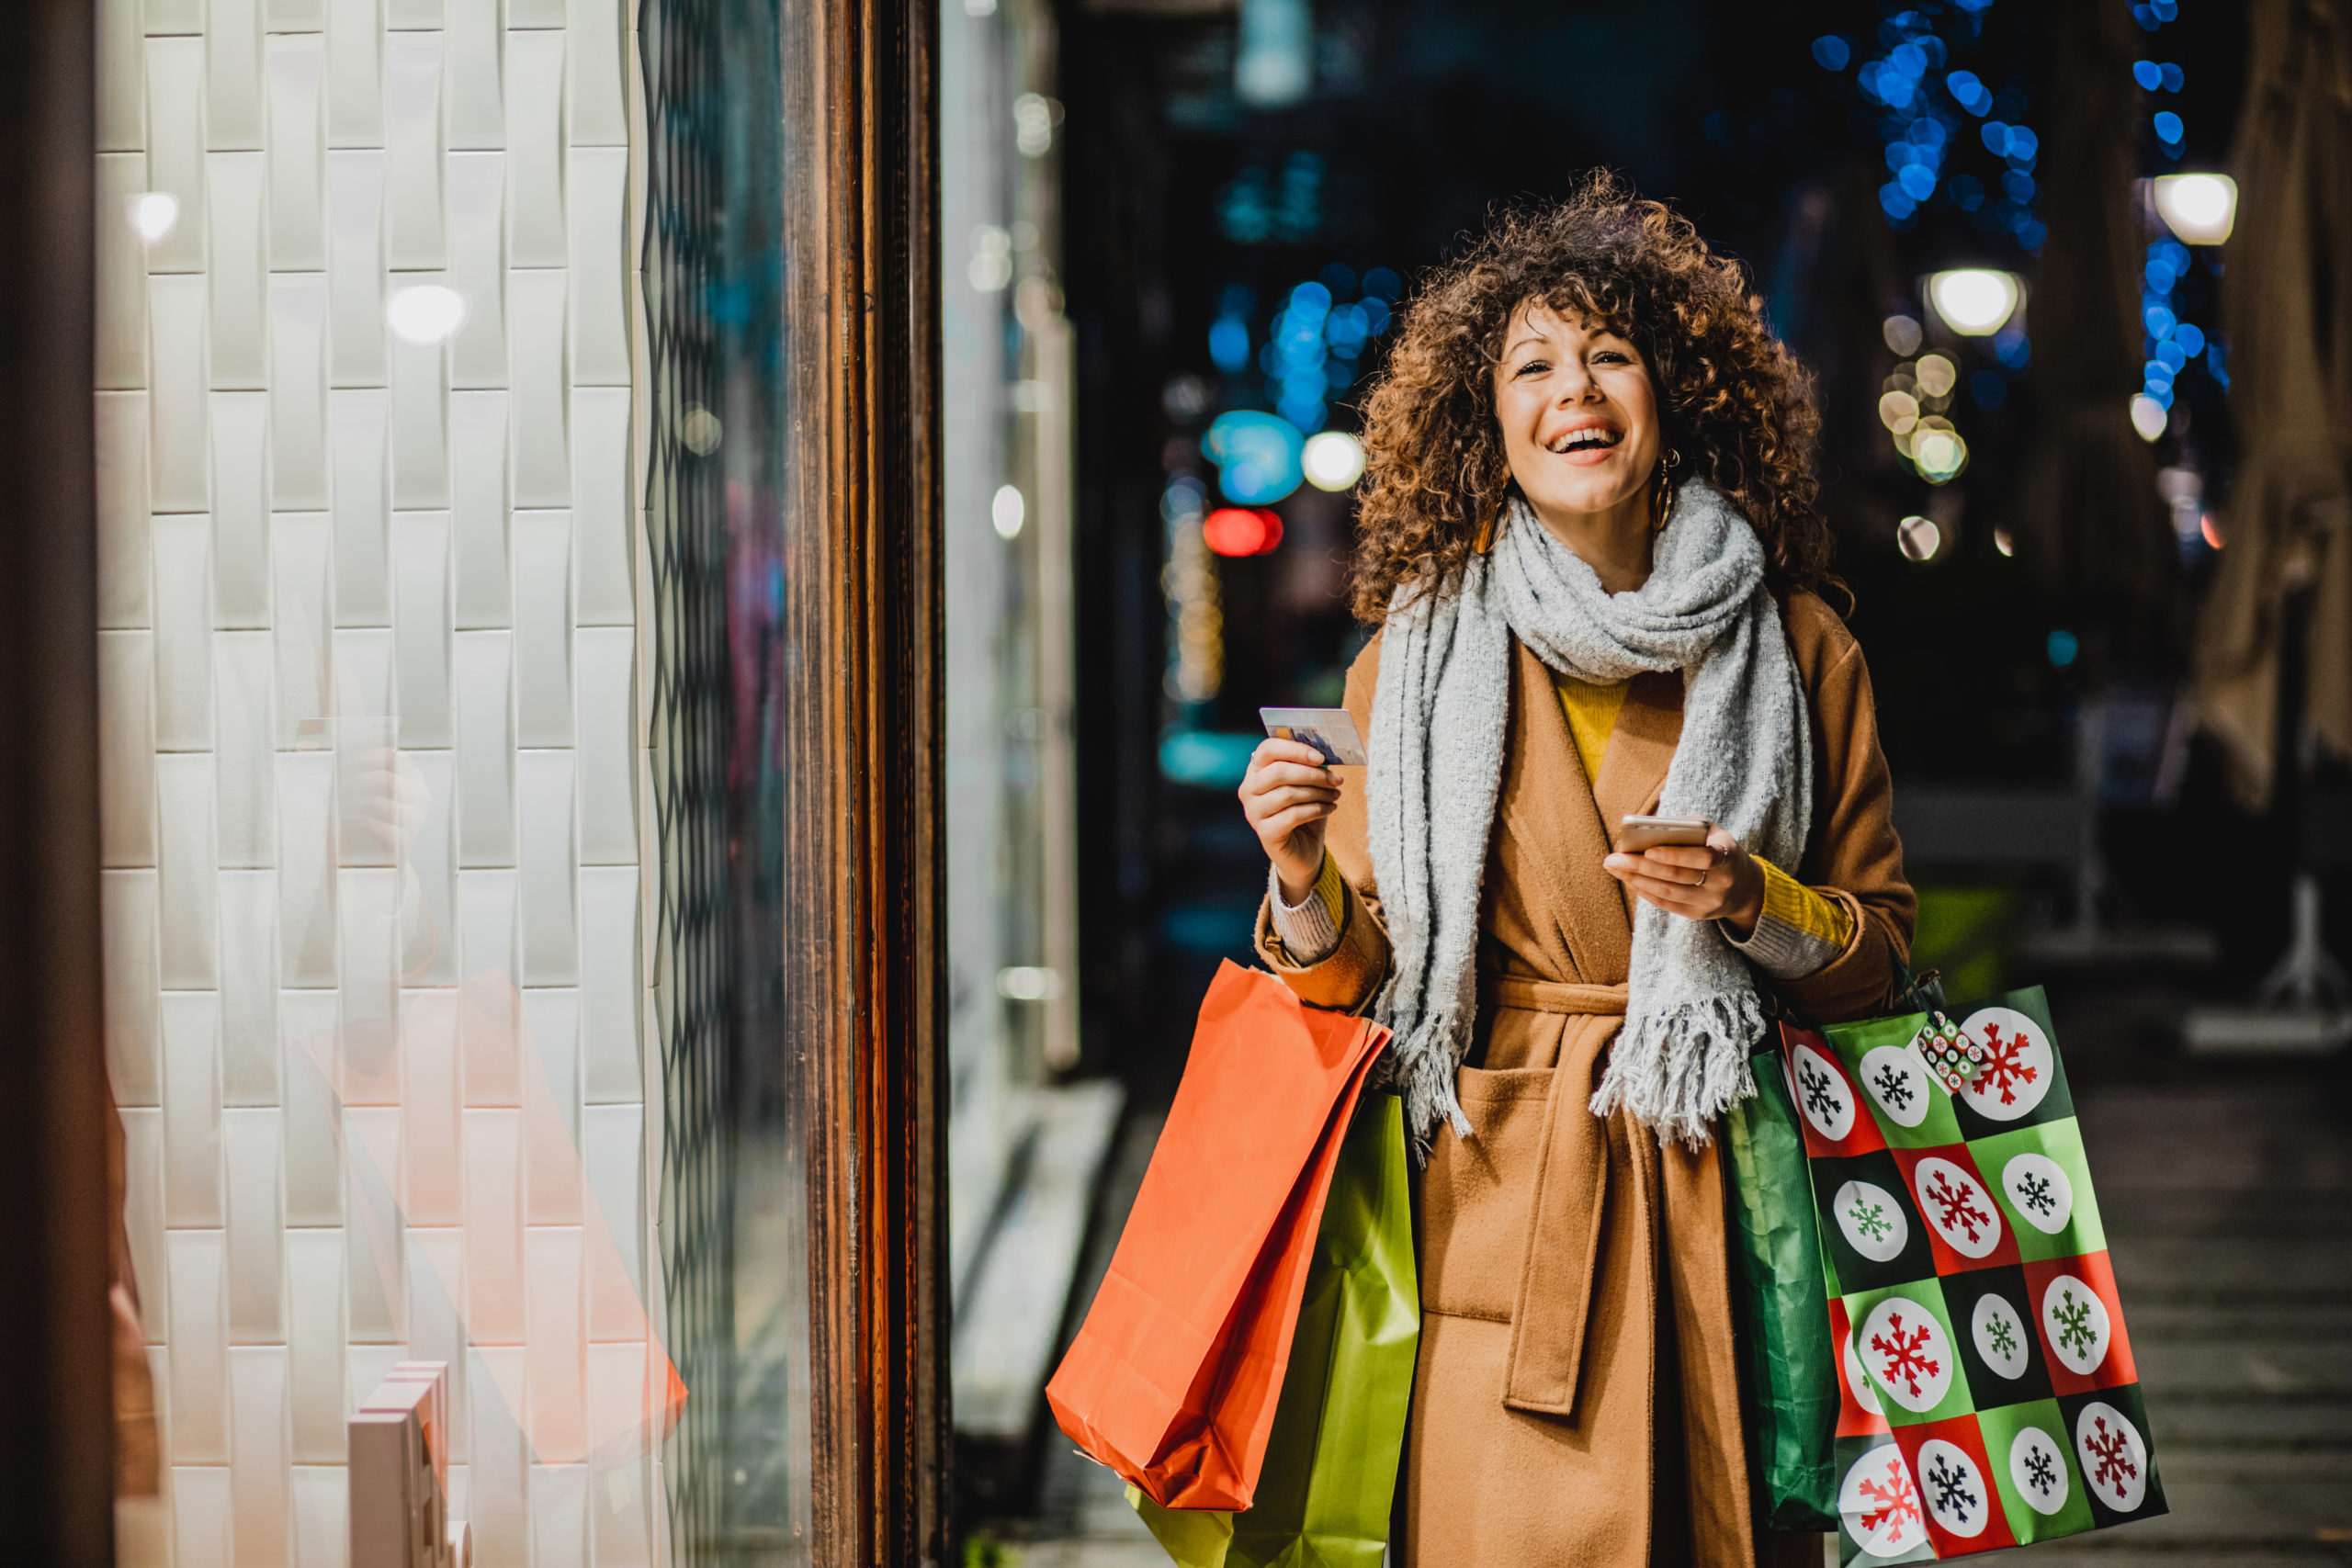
{"x": 2168, "y": 127}
{"x": 2061, "y": 646}
{"x": 1382, "y": 283}
{"x": 2148, "y": 74}
{"x": 2190, "y": 338}
{"x": 1990, "y": 388}
{"x": 1257, "y": 456}
{"x": 1831, "y": 52}
{"x": 2159, "y": 320}
{"x": 1229, "y": 344}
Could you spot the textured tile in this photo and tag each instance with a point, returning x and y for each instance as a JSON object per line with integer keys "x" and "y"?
{"x": 188, "y": 860}
{"x": 354, "y": 73}
{"x": 294, "y": 15}
{"x": 437, "y": 1330}
{"x": 477, "y": 66}
{"x": 601, "y": 505}
{"x": 309, "y": 945}
{"x": 183, "y": 546}
{"x": 494, "y": 1177}
{"x": 557, "y": 1347}
{"x": 125, "y": 599}
{"x": 321, "y": 1514}
{"x": 369, "y": 904}
{"x": 619, "y": 1511}
{"x": 178, "y": 385}
{"x": 432, "y": 1102}
{"x": 355, "y": 267}
{"x": 420, "y": 418}
{"x": 296, "y": 65}
{"x": 535, "y": 147}
{"x": 552, "y": 1189}
{"x": 486, "y": 764}
{"x": 540, "y": 443}
{"x": 477, "y": 185}
{"x": 249, "y": 1027}
{"x": 232, "y": 96}
{"x": 612, "y": 987}
{"x": 244, "y": 678}
{"x": 412, "y": 144}
{"x": 297, "y": 391}
{"x": 543, "y": 631}
{"x": 241, "y": 506}
{"x": 373, "y": 794}
{"x": 373, "y": 1251}
{"x": 175, "y": 147}
{"x": 192, "y": 1169}
{"x": 301, "y": 638}
{"x": 196, "y": 1261}
{"x": 306, "y": 1021}
{"x": 315, "y": 1343}
{"x": 535, "y": 13}
{"x": 121, "y": 282}
{"x": 478, "y": 510}
{"x": 240, "y": 274}
{"x": 490, "y": 1020}
{"x": 607, "y": 750}
{"x": 551, "y": 894}
{"x": 498, "y": 1485}
{"x": 614, "y": 1150}
{"x": 174, "y": 18}
{"x": 362, "y": 561}
{"x": 127, "y": 747}
{"x": 128, "y": 916}
{"x": 599, "y": 263}
{"x": 421, "y": 626}
{"x": 121, "y": 75}
{"x": 259, "y": 1471}
{"x": 558, "y": 1513}
{"x": 142, "y": 1215}
{"x": 402, "y": 15}
{"x": 200, "y": 1510}
{"x": 599, "y": 107}
{"x": 256, "y": 1232}
{"x": 429, "y": 918}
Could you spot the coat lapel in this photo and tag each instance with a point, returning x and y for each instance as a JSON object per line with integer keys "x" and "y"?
{"x": 1639, "y": 748}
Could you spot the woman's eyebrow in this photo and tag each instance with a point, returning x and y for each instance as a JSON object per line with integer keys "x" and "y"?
{"x": 1523, "y": 342}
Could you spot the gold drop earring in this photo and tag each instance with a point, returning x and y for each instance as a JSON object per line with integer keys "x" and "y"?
{"x": 1662, "y": 504}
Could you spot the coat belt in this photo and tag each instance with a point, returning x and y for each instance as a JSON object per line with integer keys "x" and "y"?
{"x": 1550, "y": 1316}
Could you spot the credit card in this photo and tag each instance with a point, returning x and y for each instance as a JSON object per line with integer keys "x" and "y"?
{"x": 1331, "y": 731}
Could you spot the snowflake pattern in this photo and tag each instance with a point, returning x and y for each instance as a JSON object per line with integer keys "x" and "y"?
{"x": 1903, "y": 1362}
{"x": 1891, "y": 1506}
{"x": 2004, "y": 1336}
{"x": 2111, "y": 1452}
{"x": 2074, "y": 1321}
{"x": 1818, "y": 1098}
{"x": 2004, "y": 1065}
{"x": 1872, "y": 1221}
{"x": 1959, "y": 1206}
{"x": 2033, "y": 1192}
{"x": 1952, "y": 1495}
{"x": 2040, "y": 1469}
{"x": 1893, "y": 1088}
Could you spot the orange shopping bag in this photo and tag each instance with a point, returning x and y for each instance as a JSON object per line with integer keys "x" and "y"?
{"x": 1173, "y": 1378}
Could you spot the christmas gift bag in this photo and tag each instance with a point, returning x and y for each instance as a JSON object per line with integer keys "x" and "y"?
{"x": 1988, "y": 1394}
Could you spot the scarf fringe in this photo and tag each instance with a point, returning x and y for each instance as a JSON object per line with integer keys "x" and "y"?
{"x": 1678, "y": 1070}
{"x": 1421, "y": 1066}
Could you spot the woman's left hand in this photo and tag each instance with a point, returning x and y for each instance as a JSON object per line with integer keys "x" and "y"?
{"x": 1716, "y": 881}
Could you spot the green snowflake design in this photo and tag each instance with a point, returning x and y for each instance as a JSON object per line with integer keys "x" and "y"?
{"x": 2074, "y": 1320}
{"x": 1872, "y": 1221}
{"x": 2004, "y": 1337}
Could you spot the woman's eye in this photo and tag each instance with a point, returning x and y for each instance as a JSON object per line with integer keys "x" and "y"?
{"x": 1533, "y": 367}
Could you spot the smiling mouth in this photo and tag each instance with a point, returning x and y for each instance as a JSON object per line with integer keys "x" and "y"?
{"x": 1592, "y": 438}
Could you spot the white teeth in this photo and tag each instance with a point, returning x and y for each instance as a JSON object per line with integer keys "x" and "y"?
{"x": 1577, "y": 441}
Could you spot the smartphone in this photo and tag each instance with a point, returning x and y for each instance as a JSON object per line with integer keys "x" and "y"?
{"x": 1637, "y": 833}
{"x": 1331, "y": 731}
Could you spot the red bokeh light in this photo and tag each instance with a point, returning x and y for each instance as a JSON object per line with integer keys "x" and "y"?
{"x": 1241, "y": 530}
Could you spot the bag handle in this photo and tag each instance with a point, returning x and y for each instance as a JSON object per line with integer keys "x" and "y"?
{"x": 1913, "y": 993}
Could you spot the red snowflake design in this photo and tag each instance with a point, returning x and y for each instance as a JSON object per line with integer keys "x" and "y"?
{"x": 1903, "y": 1359}
{"x": 1958, "y": 1203}
{"x": 2004, "y": 1064}
{"x": 2113, "y": 1453}
{"x": 1895, "y": 1504}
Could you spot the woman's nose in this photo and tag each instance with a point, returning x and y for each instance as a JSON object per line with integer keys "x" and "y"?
{"x": 1576, "y": 386}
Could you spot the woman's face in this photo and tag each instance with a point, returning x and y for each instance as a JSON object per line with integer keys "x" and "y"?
{"x": 1579, "y": 415}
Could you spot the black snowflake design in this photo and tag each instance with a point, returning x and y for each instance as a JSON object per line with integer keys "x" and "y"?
{"x": 1818, "y": 1098}
{"x": 1872, "y": 1221}
{"x": 1893, "y": 1088}
{"x": 1958, "y": 1203}
{"x": 2040, "y": 1469}
{"x": 2074, "y": 1321}
{"x": 2111, "y": 1456}
{"x": 1952, "y": 1495}
{"x": 2004, "y": 1336}
{"x": 2034, "y": 1192}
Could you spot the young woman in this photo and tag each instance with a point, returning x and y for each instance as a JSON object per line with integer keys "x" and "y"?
{"x": 1588, "y": 536}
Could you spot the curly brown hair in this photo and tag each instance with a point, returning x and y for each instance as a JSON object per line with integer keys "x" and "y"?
{"x": 1735, "y": 405}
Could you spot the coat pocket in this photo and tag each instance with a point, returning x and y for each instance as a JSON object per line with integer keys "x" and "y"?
{"x": 1477, "y": 1195}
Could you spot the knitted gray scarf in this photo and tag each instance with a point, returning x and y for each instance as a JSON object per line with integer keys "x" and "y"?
{"x": 1439, "y": 713}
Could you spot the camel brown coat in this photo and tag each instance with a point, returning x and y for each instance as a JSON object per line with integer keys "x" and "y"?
{"x": 1577, "y": 1400}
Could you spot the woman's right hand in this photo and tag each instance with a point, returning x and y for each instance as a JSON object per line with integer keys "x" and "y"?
{"x": 1288, "y": 795}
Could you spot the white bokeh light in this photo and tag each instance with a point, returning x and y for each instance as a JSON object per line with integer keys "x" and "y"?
{"x": 2148, "y": 417}
{"x": 1919, "y": 537}
{"x": 425, "y": 314}
{"x": 153, "y": 214}
{"x": 1007, "y": 512}
{"x": 1974, "y": 301}
{"x": 1333, "y": 460}
{"x": 2200, "y": 210}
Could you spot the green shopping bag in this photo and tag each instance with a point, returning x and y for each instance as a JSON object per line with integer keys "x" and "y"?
{"x": 1323, "y": 1498}
{"x": 1789, "y": 1370}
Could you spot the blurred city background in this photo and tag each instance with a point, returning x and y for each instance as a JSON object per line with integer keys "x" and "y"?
{"x": 2075, "y": 284}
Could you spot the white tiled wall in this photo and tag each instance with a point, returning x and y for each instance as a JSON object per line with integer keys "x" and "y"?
{"x": 372, "y": 809}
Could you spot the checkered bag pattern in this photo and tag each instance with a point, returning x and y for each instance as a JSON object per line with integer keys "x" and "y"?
{"x": 1988, "y": 1392}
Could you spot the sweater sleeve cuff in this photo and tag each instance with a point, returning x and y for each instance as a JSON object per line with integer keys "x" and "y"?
{"x": 1308, "y": 930}
{"x": 1799, "y": 931}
